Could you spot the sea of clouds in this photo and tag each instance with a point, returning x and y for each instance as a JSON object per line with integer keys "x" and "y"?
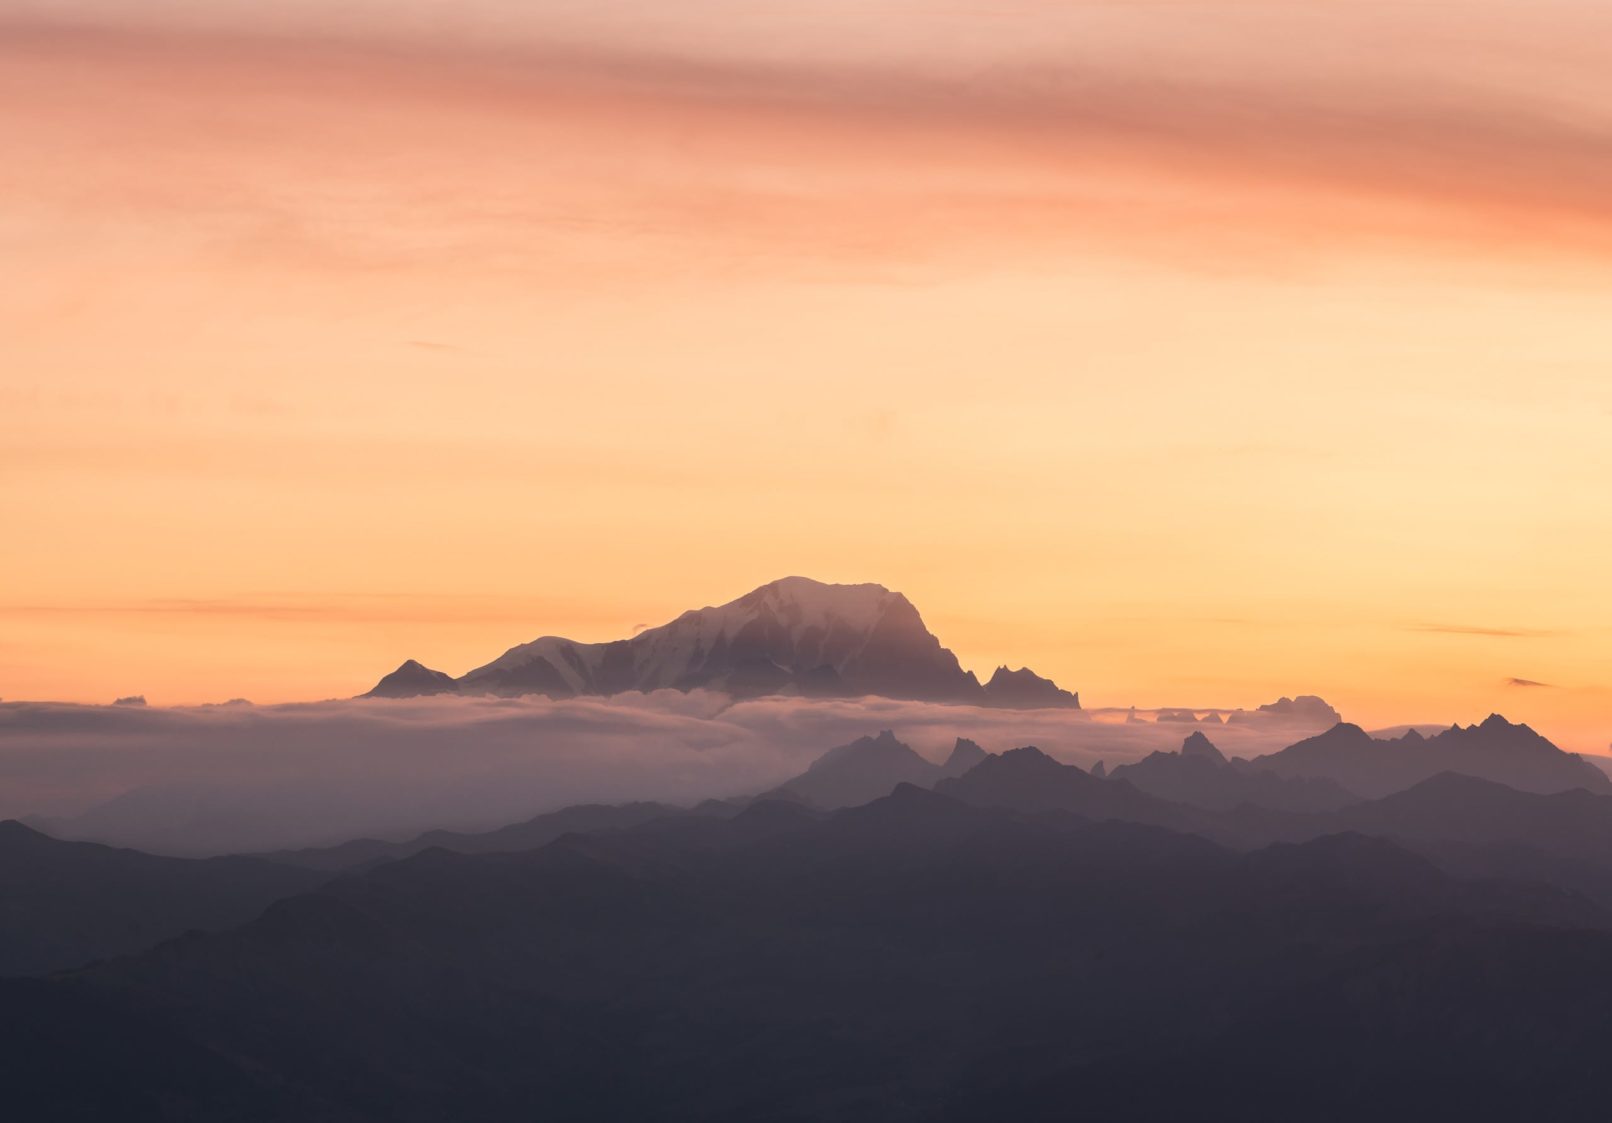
{"x": 240, "y": 777}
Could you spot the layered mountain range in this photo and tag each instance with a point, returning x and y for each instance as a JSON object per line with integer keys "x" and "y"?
{"x": 853, "y": 946}
{"x": 871, "y": 767}
{"x": 793, "y": 636}
{"x": 1494, "y": 749}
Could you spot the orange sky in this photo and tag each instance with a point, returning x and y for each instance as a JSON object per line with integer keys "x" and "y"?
{"x": 1191, "y": 353}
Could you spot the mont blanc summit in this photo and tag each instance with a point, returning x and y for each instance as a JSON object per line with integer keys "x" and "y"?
{"x": 791, "y": 636}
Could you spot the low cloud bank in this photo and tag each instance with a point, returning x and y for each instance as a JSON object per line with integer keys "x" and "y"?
{"x": 211, "y": 779}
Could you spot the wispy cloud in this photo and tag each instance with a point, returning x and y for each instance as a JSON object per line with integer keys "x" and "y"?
{"x": 812, "y": 157}
{"x": 343, "y": 608}
{"x": 1526, "y": 682}
{"x": 1482, "y": 630}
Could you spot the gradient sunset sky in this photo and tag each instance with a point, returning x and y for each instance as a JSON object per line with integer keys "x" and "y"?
{"x": 1191, "y": 353}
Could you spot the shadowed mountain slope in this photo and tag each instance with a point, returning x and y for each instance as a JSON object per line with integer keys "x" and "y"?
{"x": 913, "y": 958}
{"x": 63, "y": 904}
{"x": 538, "y": 831}
{"x": 1024, "y": 689}
{"x": 1481, "y": 828}
{"x": 1028, "y": 780}
{"x": 870, "y": 768}
{"x": 860, "y": 772}
{"x": 1201, "y": 776}
{"x": 965, "y": 754}
{"x": 413, "y": 680}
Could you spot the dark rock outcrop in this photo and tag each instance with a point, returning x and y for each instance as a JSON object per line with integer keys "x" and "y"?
{"x": 1023, "y": 689}
{"x": 413, "y": 680}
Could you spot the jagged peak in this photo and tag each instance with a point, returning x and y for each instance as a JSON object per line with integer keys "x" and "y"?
{"x": 1346, "y": 729}
{"x": 1301, "y": 709}
{"x": 1491, "y": 725}
{"x": 1024, "y": 689}
{"x": 412, "y": 678}
{"x": 884, "y": 742}
{"x": 1197, "y": 745}
{"x": 1028, "y": 756}
{"x": 966, "y": 749}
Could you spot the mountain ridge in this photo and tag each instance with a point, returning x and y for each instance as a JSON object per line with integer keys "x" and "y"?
{"x": 1200, "y": 775}
{"x": 769, "y": 964}
{"x": 793, "y": 636}
{"x": 66, "y": 903}
{"x": 1495, "y": 749}
{"x": 871, "y": 767}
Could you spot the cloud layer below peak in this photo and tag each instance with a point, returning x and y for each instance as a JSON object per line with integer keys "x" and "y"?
{"x": 210, "y": 779}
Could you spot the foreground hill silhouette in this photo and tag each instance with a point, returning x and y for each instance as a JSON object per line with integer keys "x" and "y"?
{"x": 529, "y": 834}
{"x": 1478, "y": 827}
{"x": 924, "y": 955}
{"x": 792, "y": 636}
{"x": 913, "y": 958}
{"x": 63, "y": 904}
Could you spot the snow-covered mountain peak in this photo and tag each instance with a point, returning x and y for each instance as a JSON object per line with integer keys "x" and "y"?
{"x": 790, "y": 636}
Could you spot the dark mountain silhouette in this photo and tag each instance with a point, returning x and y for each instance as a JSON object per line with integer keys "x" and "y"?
{"x": 1023, "y": 689}
{"x": 859, "y": 772}
{"x": 1028, "y": 780}
{"x": 913, "y": 958}
{"x": 1200, "y": 775}
{"x": 1306, "y": 710}
{"x": 527, "y": 835}
{"x": 1496, "y": 750}
{"x": 63, "y": 904}
{"x": 792, "y": 636}
{"x": 412, "y": 680}
{"x": 1024, "y": 940}
{"x": 965, "y": 754}
{"x": 869, "y": 768}
{"x": 1481, "y": 828}
{"x": 1196, "y": 790}
{"x": 1198, "y": 747}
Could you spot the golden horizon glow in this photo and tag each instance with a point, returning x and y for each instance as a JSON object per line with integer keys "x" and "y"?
{"x": 1190, "y": 355}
